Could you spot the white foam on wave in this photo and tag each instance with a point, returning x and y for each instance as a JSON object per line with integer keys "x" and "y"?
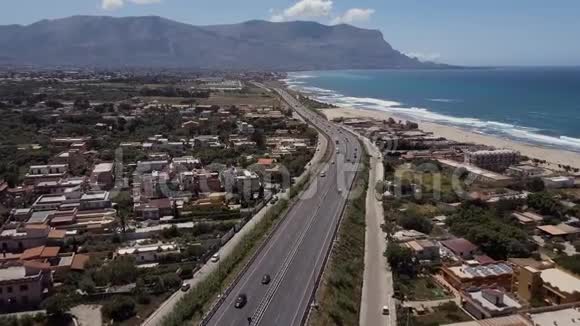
{"x": 444, "y": 100}
{"x": 520, "y": 133}
{"x": 295, "y": 75}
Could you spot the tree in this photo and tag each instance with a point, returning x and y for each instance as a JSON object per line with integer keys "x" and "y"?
{"x": 416, "y": 222}
{"x": 119, "y": 308}
{"x": 401, "y": 259}
{"x": 121, "y": 271}
{"x": 545, "y": 203}
{"x": 535, "y": 185}
{"x": 259, "y": 137}
{"x": 57, "y": 305}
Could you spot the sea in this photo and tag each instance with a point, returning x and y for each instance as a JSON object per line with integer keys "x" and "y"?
{"x": 539, "y": 106}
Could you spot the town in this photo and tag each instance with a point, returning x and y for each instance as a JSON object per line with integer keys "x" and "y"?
{"x": 139, "y": 199}
{"x": 474, "y": 232}
{"x": 117, "y": 188}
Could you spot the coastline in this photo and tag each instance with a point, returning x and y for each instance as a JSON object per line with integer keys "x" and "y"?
{"x": 554, "y": 156}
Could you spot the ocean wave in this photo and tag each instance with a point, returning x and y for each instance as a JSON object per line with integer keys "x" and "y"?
{"x": 300, "y": 76}
{"x": 497, "y": 128}
{"x": 443, "y": 100}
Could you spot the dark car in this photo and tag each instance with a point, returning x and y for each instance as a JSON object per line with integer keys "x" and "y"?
{"x": 266, "y": 279}
{"x": 241, "y": 301}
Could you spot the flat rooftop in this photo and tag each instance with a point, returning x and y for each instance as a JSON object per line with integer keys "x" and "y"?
{"x": 475, "y": 170}
{"x": 13, "y": 273}
{"x": 466, "y": 271}
{"x": 562, "y": 317}
{"x": 561, "y": 280}
{"x": 103, "y": 167}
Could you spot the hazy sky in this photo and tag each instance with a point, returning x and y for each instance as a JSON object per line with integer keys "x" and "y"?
{"x": 468, "y": 32}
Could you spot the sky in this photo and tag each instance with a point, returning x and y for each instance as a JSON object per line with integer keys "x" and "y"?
{"x": 462, "y": 32}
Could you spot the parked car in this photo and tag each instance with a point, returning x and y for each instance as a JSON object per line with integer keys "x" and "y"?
{"x": 215, "y": 258}
{"x": 185, "y": 287}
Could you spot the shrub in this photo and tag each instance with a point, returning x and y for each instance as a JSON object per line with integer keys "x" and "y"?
{"x": 119, "y": 308}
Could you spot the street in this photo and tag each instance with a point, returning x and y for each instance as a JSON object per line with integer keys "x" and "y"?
{"x": 294, "y": 255}
{"x": 378, "y": 279}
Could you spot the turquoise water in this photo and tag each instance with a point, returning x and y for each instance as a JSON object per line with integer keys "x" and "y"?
{"x": 533, "y": 105}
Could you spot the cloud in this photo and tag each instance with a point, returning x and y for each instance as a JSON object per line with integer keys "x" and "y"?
{"x": 305, "y": 9}
{"x": 116, "y": 4}
{"x": 354, "y": 15}
{"x": 112, "y": 4}
{"x": 424, "y": 56}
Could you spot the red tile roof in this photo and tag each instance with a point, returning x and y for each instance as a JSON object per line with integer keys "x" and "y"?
{"x": 459, "y": 245}
{"x": 40, "y": 252}
{"x": 266, "y": 161}
{"x": 56, "y": 234}
{"x": 79, "y": 262}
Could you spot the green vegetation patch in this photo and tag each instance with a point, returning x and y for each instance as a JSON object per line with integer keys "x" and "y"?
{"x": 421, "y": 289}
{"x": 446, "y": 313}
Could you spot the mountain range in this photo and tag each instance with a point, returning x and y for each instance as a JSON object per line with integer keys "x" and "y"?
{"x": 153, "y": 41}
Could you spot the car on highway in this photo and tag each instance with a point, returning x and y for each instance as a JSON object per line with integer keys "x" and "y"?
{"x": 215, "y": 258}
{"x": 266, "y": 279}
{"x": 185, "y": 287}
{"x": 241, "y": 301}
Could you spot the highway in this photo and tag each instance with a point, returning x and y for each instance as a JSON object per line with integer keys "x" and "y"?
{"x": 294, "y": 255}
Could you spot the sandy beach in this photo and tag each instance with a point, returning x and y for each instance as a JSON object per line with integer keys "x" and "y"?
{"x": 554, "y": 156}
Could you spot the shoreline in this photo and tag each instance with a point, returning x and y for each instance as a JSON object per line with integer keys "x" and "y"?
{"x": 554, "y": 156}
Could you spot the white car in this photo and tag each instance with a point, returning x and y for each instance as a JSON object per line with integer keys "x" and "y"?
{"x": 386, "y": 310}
{"x": 323, "y": 174}
{"x": 215, "y": 258}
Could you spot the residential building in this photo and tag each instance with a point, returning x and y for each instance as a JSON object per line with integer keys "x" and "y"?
{"x": 102, "y": 176}
{"x": 17, "y": 238}
{"x": 489, "y": 302}
{"x": 155, "y": 209}
{"x": 484, "y": 176}
{"x": 460, "y": 247}
{"x": 555, "y": 317}
{"x": 475, "y": 275}
{"x": 493, "y": 160}
{"x": 528, "y": 219}
{"x": 150, "y": 166}
{"x": 525, "y": 171}
{"x": 40, "y": 173}
{"x": 540, "y": 280}
{"x": 145, "y": 254}
{"x": 22, "y": 286}
{"x": 245, "y": 128}
{"x": 559, "y": 182}
{"x": 66, "y": 185}
{"x": 186, "y": 163}
{"x": 205, "y": 141}
{"x": 561, "y": 231}
{"x": 425, "y": 250}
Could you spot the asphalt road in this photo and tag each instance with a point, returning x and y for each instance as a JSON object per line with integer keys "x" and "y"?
{"x": 156, "y": 318}
{"x": 294, "y": 255}
{"x": 378, "y": 280}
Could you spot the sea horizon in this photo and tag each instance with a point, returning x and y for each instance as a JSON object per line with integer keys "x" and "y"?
{"x": 532, "y": 105}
